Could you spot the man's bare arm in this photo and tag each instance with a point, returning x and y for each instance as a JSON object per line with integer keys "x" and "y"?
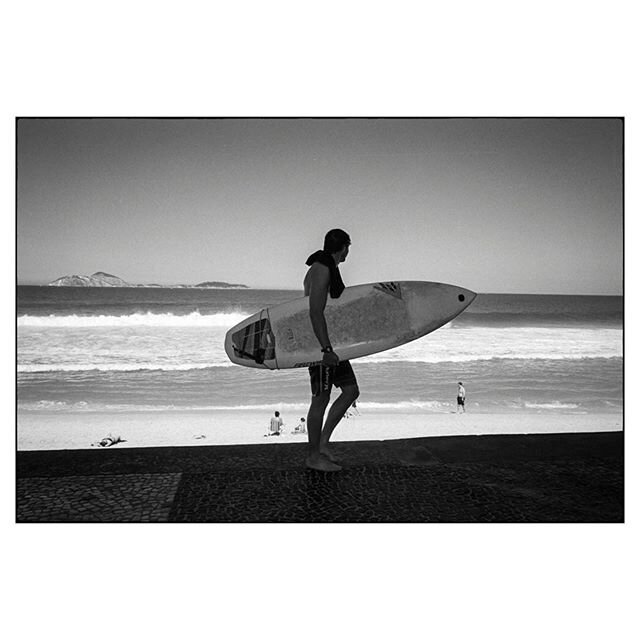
{"x": 318, "y": 293}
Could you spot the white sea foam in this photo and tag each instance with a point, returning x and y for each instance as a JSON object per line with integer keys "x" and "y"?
{"x": 289, "y": 408}
{"x": 523, "y": 343}
{"x": 193, "y": 346}
{"x": 551, "y": 405}
{"x": 194, "y": 366}
{"x": 143, "y": 366}
{"x": 194, "y": 319}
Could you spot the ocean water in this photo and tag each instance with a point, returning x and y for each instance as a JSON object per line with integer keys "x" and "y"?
{"x": 157, "y": 349}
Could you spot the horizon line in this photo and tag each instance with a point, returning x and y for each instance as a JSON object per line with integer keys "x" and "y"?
{"x": 273, "y": 288}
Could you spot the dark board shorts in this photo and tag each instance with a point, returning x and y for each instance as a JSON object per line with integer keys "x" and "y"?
{"x": 461, "y": 400}
{"x": 323, "y": 378}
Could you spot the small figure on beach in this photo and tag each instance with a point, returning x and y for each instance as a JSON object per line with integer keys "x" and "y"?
{"x": 302, "y": 427}
{"x": 275, "y": 425}
{"x": 108, "y": 441}
{"x": 462, "y": 394}
{"x": 323, "y": 279}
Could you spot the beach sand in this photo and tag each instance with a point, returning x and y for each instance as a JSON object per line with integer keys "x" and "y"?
{"x": 56, "y": 430}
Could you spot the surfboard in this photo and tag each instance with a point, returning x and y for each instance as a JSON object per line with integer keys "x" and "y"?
{"x": 365, "y": 319}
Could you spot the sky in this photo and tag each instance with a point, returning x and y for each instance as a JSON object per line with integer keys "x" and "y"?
{"x": 493, "y": 205}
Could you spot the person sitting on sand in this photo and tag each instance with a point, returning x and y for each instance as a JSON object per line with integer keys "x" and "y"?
{"x": 275, "y": 425}
{"x": 108, "y": 441}
{"x": 301, "y": 428}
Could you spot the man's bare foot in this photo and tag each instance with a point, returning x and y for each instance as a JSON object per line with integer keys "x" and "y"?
{"x": 327, "y": 454}
{"x": 321, "y": 463}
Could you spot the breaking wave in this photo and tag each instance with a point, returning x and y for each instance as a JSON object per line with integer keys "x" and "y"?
{"x": 193, "y": 319}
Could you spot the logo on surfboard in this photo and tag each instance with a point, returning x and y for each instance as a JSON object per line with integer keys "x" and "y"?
{"x": 392, "y": 288}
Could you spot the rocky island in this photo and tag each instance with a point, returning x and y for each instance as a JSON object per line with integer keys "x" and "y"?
{"x": 102, "y": 279}
{"x": 98, "y": 279}
{"x": 221, "y": 285}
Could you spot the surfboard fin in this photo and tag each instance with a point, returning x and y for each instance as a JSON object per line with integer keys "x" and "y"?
{"x": 255, "y": 342}
{"x": 258, "y": 356}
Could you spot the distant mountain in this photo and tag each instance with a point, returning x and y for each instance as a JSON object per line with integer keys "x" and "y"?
{"x": 102, "y": 279}
{"x": 221, "y": 285}
{"x": 98, "y": 279}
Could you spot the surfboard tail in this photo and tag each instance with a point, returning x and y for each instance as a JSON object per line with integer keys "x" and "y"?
{"x": 252, "y": 343}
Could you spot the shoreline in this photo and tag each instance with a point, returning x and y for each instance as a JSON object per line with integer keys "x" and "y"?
{"x": 62, "y": 430}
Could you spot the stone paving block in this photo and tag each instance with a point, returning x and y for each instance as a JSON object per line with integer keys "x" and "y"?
{"x": 102, "y": 498}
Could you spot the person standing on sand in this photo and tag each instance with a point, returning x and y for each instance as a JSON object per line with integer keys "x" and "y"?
{"x": 323, "y": 279}
{"x": 462, "y": 394}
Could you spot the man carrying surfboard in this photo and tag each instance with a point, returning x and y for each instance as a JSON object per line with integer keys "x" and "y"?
{"x": 322, "y": 280}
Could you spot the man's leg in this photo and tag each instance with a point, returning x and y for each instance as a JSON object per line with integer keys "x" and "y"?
{"x": 348, "y": 396}
{"x": 315, "y": 416}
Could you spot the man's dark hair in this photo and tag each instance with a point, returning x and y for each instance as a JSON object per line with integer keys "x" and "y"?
{"x": 335, "y": 240}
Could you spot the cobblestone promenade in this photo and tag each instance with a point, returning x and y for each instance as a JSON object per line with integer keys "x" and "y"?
{"x": 518, "y": 478}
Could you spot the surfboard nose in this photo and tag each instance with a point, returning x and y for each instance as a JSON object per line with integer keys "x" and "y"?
{"x": 455, "y": 299}
{"x": 450, "y": 295}
{"x": 432, "y": 304}
{"x": 465, "y": 296}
